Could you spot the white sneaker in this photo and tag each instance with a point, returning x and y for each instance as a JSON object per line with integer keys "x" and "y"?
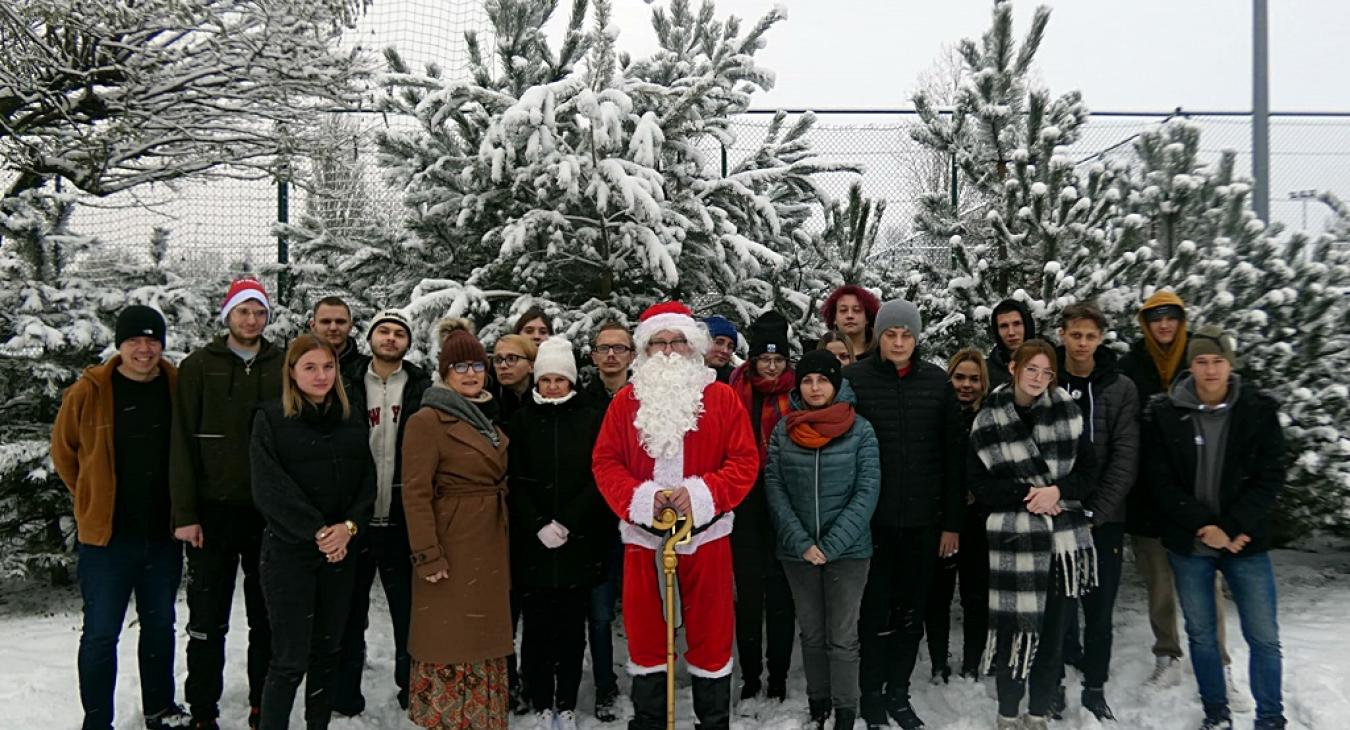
{"x": 1008, "y": 723}
{"x": 543, "y": 720}
{"x": 565, "y": 720}
{"x": 1239, "y": 700}
{"x": 1166, "y": 672}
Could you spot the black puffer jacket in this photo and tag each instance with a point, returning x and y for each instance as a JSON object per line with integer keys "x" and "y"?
{"x": 1110, "y": 409}
{"x": 999, "y": 357}
{"x": 310, "y": 471}
{"x": 549, "y": 476}
{"x": 1253, "y": 471}
{"x": 1141, "y": 515}
{"x": 919, "y": 430}
{"x": 418, "y": 382}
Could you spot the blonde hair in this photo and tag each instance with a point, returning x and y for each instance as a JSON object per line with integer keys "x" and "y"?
{"x": 291, "y": 398}
{"x": 526, "y": 345}
{"x": 970, "y": 354}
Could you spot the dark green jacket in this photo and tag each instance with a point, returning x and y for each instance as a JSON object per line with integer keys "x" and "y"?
{"x": 212, "y": 420}
{"x": 824, "y": 497}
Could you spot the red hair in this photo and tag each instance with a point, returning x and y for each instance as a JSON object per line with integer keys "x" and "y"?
{"x": 870, "y": 304}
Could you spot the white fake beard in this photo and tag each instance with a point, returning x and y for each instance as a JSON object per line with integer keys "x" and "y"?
{"x": 669, "y": 389}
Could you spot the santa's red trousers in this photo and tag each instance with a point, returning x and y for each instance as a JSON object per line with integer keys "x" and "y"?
{"x": 705, "y": 585}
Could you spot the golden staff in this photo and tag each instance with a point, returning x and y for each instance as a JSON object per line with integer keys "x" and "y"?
{"x": 680, "y": 527}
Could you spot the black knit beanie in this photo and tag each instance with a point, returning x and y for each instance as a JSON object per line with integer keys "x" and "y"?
{"x": 820, "y": 362}
{"x": 139, "y": 321}
{"x": 769, "y": 335}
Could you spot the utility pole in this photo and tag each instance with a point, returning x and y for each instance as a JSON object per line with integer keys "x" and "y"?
{"x": 1260, "y": 112}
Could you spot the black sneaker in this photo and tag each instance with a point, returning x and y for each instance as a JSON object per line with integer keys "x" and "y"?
{"x": 750, "y": 688}
{"x": 204, "y": 725}
{"x": 1057, "y": 705}
{"x": 520, "y": 705}
{"x": 1217, "y": 717}
{"x": 174, "y": 716}
{"x": 604, "y": 705}
{"x": 352, "y": 708}
{"x": 903, "y": 713}
{"x": 942, "y": 674}
{"x": 777, "y": 689}
{"x": 874, "y": 711}
{"x": 1094, "y": 701}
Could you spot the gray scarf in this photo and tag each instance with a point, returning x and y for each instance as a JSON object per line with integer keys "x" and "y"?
{"x": 449, "y": 402}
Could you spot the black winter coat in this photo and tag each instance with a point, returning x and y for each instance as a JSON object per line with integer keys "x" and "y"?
{"x": 919, "y": 430}
{"x": 549, "y": 478}
{"x": 1253, "y": 471}
{"x": 1141, "y": 515}
{"x": 1111, "y": 422}
{"x": 418, "y": 382}
{"x": 310, "y": 471}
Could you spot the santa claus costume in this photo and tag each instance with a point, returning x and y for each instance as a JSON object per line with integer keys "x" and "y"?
{"x": 675, "y": 427}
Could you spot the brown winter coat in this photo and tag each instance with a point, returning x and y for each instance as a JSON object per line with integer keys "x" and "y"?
{"x": 82, "y": 448}
{"x": 454, "y": 500}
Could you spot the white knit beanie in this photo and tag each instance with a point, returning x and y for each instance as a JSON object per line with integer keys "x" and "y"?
{"x": 555, "y": 358}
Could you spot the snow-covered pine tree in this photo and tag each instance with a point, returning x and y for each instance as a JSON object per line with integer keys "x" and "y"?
{"x": 58, "y": 306}
{"x": 580, "y": 180}
{"x": 1039, "y": 228}
{"x": 1285, "y": 297}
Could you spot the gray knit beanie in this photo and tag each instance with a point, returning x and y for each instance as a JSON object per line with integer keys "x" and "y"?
{"x": 899, "y": 313}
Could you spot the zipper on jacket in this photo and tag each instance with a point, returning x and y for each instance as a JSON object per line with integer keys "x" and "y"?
{"x": 817, "y": 497}
{"x": 556, "y": 420}
{"x": 1092, "y": 415}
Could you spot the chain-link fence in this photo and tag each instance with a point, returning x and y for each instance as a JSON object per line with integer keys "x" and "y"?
{"x": 224, "y": 224}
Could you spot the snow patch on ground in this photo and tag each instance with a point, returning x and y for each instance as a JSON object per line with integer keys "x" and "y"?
{"x": 40, "y": 630}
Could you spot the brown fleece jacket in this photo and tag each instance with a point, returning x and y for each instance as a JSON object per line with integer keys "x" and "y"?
{"x": 82, "y": 448}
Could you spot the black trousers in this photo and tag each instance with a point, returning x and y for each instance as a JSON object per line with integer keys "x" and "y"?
{"x": 971, "y": 565}
{"x": 554, "y": 644}
{"x": 308, "y": 599}
{"x": 382, "y": 551}
{"x": 1099, "y": 605}
{"x": 231, "y": 539}
{"x": 765, "y": 619}
{"x": 1047, "y": 667}
{"x": 894, "y": 604}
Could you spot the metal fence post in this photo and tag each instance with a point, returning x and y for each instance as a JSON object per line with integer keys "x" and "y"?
{"x": 283, "y": 241}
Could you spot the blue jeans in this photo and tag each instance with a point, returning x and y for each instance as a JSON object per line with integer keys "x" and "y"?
{"x": 601, "y": 620}
{"x": 1252, "y": 582}
{"x": 110, "y": 575}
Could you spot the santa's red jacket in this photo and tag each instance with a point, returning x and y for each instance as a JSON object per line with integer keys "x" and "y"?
{"x": 718, "y": 466}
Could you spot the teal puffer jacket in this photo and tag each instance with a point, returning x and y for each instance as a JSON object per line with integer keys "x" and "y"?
{"x": 824, "y": 497}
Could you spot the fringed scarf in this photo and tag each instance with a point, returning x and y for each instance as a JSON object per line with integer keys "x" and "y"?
{"x": 777, "y": 394}
{"x": 1027, "y": 551}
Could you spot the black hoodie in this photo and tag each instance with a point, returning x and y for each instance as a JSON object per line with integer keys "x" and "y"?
{"x": 1000, "y": 357}
{"x": 1110, "y": 407}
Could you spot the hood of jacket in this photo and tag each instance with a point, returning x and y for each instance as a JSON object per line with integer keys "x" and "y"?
{"x": 1183, "y": 394}
{"x": 1028, "y": 324}
{"x": 1105, "y": 365}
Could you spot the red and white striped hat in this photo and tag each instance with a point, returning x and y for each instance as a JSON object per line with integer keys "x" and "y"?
{"x": 242, "y": 290}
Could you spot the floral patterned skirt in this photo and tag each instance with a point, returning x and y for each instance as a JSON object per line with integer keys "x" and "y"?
{"x": 459, "y": 696}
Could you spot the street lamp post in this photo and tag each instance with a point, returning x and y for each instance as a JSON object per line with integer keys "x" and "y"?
{"x": 1303, "y": 196}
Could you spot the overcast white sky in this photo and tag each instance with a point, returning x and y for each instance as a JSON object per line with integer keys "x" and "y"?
{"x": 1143, "y": 55}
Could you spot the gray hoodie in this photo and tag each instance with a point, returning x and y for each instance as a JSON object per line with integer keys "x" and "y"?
{"x": 1211, "y": 436}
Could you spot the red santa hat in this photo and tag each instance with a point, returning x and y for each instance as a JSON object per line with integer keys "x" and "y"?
{"x": 242, "y": 290}
{"x": 671, "y": 316}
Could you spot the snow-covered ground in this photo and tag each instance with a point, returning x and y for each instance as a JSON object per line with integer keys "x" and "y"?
{"x": 39, "y": 634}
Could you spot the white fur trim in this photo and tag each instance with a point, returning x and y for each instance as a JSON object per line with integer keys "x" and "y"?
{"x": 640, "y": 508}
{"x": 694, "y": 331}
{"x": 637, "y": 670}
{"x": 714, "y": 674}
{"x": 241, "y": 296}
{"x": 631, "y": 534}
{"x": 701, "y": 500}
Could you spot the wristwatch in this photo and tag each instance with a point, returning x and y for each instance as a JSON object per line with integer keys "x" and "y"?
{"x": 351, "y": 528}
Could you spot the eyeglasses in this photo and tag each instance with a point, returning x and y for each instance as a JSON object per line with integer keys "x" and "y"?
{"x": 1038, "y": 373}
{"x": 465, "y": 367}
{"x": 772, "y": 361}
{"x": 508, "y": 360}
{"x": 620, "y": 350}
{"x": 679, "y": 345}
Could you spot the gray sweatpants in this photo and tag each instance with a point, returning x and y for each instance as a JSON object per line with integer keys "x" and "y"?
{"x": 828, "y": 598}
